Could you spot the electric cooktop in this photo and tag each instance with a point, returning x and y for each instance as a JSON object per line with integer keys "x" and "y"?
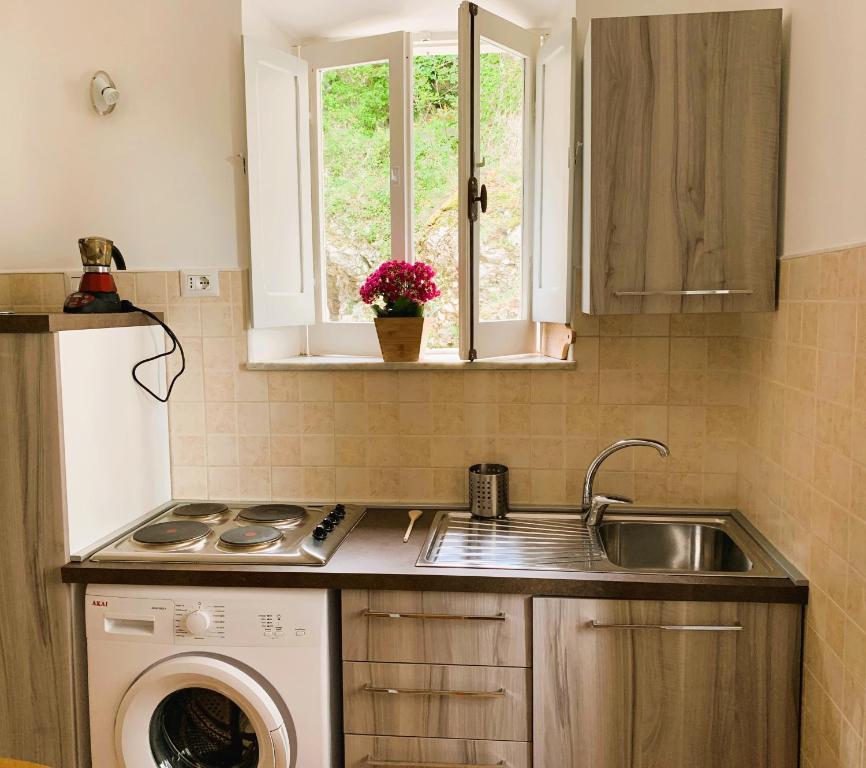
{"x": 205, "y": 532}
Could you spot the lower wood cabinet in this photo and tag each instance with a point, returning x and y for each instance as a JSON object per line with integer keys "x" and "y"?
{"x": 404, "y": 752}
{"x": 436, "y": 679}
{"x": 447, "y": 701}
{"x": 642, "y": 684}
{"x": 608, "y": 684}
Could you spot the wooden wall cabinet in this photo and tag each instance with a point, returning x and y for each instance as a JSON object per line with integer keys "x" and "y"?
{"x": 681, "y": 153}
{"x": 612, "y": 689}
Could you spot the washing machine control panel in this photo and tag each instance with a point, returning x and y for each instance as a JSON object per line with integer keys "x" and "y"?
{"x": 199, "y": 620}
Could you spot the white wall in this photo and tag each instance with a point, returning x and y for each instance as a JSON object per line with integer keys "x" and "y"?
{"x": 258, "y": 25}
{"x": 824, "y": 143}
{"x": 158, "y": 175}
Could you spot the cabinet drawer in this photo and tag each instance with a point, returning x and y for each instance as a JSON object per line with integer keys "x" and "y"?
{"x": 436, "y": 628}
{"x": 436, "y": 700}
{"x": 405, "y": 752}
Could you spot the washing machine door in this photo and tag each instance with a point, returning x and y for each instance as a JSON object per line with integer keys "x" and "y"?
{"x": 199, "y": 712}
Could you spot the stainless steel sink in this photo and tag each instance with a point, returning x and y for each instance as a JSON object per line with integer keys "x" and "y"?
{"x": 672, "y": 546}
{"x": 702, "y": 542}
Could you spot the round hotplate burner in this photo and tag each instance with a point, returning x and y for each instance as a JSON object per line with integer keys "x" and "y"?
{"x": 199, "y": 509}
{"x": 284, "y": 514}
{"x": 249, "y": 536}
{"x": 171, "y": 533}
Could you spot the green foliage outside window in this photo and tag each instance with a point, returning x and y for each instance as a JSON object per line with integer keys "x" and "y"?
{"x": 356, "y": 176}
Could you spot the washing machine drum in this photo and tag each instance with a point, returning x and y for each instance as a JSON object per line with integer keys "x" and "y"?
{"x": 200, "y": 728}
{"x": 200, "y": 712}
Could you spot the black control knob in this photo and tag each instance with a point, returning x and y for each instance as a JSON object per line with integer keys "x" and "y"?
{"x": 319, "y": 533}
{"x": 339, "y": 510}
{"x": 327, "y": 524}
{"x": 334, "y": 518}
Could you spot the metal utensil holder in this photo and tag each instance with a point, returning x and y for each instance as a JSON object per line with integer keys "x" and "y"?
{"x": 488, "y": 490}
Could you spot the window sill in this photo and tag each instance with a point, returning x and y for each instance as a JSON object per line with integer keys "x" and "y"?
{"x": 432, "y": 362}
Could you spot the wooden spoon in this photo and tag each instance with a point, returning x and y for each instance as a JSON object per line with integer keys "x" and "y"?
{"x": 414, "y": 514}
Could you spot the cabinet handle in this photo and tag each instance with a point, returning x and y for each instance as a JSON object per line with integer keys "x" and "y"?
{"x": 497, "y": 694}
{"x": 736, "y": 627}
{"x": 372, "y": 761}
{"x": 434, "y": 616}
{"x": 704, "y": 292}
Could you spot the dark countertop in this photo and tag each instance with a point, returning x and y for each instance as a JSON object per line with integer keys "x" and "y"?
{"x": 52, "y": 322}
{"x": 374, "y": 556}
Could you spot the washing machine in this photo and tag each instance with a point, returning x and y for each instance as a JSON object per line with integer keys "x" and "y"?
{"x": 210, "y": 677}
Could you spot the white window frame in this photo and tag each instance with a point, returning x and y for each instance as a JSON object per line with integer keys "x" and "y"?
{"x": 350, "y": 338}
{"x": 484, "y": 339}
{"x": 494, "y": 338}
{"x": 311, "y": 333}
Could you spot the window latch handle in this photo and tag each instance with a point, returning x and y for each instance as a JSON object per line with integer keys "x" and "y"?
{"x": 476, "y": 196}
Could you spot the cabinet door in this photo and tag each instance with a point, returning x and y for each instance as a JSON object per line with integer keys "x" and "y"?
{"x": 640, "y": 684}
{"x": 681, "y": 130}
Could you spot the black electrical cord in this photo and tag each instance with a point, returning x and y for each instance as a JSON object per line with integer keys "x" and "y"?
{"x": 128, "y": 306}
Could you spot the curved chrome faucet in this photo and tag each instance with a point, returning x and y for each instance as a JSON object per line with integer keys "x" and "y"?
{"x": 595, "y": 506}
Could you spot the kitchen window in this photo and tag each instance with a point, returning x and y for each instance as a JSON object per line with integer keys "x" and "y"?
{"x": 364, "y": 150}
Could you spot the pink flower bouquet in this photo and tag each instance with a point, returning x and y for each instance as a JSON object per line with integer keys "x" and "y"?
{"x": 403, "y": 287}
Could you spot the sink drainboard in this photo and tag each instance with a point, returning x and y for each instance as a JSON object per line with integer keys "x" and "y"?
{"x": 524, "y": 541}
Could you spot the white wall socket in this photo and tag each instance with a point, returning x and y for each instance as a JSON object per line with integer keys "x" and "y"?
{"x": 199, "y": 282}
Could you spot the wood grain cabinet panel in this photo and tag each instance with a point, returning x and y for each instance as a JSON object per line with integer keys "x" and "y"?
{"x": 638, "y": 696}
{"x": 681, "y": 155}
{"x": 38, "y": 681}
{"x": 444, "y": 701}
{"x": 405, "y": 752}
{"x": 436, "y": 627}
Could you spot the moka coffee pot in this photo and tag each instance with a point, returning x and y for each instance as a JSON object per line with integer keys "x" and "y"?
{"x": 97, "y": 291}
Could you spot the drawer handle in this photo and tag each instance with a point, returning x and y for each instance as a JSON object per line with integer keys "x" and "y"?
{"x": 434, "y": 616}
{"x": 372, "y": 761}
{"x": 497, "y": 694}
{"x": 704, "y": 292}
{"x": 737, "y": 627}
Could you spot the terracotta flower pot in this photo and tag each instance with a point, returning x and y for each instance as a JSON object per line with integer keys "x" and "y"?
{"x": 401, "y": 338}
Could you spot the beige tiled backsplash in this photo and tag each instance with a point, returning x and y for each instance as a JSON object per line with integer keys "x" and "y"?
{"x": 803, "y": 478}
{"x": 764, "y": 411}
{"x": 408, "y": 436}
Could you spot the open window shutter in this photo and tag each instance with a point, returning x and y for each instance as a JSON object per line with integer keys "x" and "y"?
{"x": 467, "y": 135}
{"x": 555, "y": 161}
{"x": 359, "y": 338}
{"x": 278, "y": 150}
{"x": 476, "y": 27}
